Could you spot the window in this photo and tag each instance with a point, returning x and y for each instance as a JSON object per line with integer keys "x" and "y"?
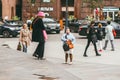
{"x": 46, "y": 0}
{"x": 70, "y": 3}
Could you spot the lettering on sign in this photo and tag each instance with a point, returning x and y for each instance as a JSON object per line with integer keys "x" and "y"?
{"x": 45, "y": 9}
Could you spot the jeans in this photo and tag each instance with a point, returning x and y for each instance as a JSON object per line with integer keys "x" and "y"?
{"x": 25, "y": 48}
{"x": 88, "y": 43}
{"x": 112, "y": 45}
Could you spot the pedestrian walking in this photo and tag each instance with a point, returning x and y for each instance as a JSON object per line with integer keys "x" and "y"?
{"x": 91, "y": 36}
{"x": 109, "y": 36}
{"x": 67, "y": 38}
{"x": 25, "y": 37}
{"x": 38, "y": 30}
{"x": 100, "y": 36}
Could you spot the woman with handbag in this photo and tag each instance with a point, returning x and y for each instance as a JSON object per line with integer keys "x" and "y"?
{"x": 25, "y": 37}
{"x": 91, "y": 36}
{"x": 109, "y": 36}
{"x": 69, "y": 40}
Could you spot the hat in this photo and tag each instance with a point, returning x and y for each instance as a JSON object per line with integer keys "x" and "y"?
{"x": 42, "y": 14}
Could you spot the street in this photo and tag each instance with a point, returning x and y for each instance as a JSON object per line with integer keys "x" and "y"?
{"x": 105, "y": 67}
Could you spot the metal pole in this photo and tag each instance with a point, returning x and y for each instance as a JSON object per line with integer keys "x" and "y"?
{"x": 66, "y": 22}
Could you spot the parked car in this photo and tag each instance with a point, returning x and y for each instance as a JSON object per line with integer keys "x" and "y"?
{"x": 83, "y": 28}
{"x": 74, "y": 26}
{"x": 51, "y": 25}
{"x": 8, "y": 28}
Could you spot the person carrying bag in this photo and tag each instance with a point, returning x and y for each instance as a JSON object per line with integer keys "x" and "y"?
{"x": 25, "y": 37}
{"x": 68, "y": 45}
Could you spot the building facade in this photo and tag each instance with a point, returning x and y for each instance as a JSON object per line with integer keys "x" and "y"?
{"x": 10, "y": 8}
{"x": 54, "y": 8}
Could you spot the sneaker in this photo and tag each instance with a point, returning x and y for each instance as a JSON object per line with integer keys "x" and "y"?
{"x": 70, "y": 63}
{"x": 35, "y": 55}
{"x": 98, "y": 54}
{"x": 100, "y": 50}
{"x": 65, "y": 63}
{"x": 112, "y": 50}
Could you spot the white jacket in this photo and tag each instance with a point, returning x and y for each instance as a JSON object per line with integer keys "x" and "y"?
{"x": 109, "y": 33}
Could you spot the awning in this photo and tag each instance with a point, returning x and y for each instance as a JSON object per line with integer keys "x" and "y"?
{"x": 105, "y": 9}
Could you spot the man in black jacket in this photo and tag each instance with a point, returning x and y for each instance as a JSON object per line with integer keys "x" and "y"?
{"x": 91, "y": 36}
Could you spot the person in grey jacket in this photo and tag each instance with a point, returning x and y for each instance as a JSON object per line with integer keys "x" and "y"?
{"x": 109, "y": 36}
{"x": 68, "y": 36}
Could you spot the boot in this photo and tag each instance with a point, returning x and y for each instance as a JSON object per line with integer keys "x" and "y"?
{"x": 66, "y": 58}
{"x": 98, "y": 54}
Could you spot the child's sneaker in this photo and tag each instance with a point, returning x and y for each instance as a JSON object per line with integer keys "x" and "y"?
{"x": 70, "y": 63}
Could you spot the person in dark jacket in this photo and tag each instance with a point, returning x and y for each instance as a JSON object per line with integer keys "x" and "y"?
{"x": 38, "y": 36}
{"x": 91, "y": 35}
{"x": 100, "y": 36}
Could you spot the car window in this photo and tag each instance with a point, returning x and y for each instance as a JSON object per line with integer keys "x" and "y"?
{"x": 96, "y": 24}
{"x": 14, "y": 22}
{"x": 104, "y": 24}
{"x": 48, "y": 20}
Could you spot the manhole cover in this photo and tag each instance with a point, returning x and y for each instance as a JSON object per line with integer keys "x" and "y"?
{"x": 45, "y": 77}
{"x": 5, "y": 45}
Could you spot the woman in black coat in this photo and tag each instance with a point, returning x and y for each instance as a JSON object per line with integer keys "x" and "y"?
{"x": 91, "y": 36}
{"x": 37, "y": 35}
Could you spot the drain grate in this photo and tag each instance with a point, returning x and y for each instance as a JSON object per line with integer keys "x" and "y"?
{"x": 45, "y": 77}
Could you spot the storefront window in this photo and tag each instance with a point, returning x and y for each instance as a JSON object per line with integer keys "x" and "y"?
{"x": 70, "y": 3}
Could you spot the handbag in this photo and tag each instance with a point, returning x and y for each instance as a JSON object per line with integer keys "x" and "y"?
{"x": 94, "y": 38}
{"x": 19, "y": 47}
{"x": 70, "y": 44}
{"x": 45, "y": 35}
{"x": 114, "y": 33}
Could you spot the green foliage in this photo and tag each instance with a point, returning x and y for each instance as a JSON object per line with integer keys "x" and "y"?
{"x": 16, "y": 18}
{"x": 94, "y": 3}
{"x": 33, "y": 1}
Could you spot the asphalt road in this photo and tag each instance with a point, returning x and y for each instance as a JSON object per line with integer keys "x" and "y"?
{"x": 105, "y": 67}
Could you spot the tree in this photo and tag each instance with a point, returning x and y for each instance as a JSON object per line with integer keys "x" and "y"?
{"x": 93, "y": 4}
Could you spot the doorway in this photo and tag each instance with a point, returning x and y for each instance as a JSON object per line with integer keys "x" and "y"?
{"x": 19, "y": 9}
{"x": 70, "y": 8}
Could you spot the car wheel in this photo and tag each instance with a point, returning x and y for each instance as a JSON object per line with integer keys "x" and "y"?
{"x": 6, "y": 34}
{"x": 57, "y": 32}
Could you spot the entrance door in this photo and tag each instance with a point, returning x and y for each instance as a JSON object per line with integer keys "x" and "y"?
{"x": 111, "y": 15}
{"x": 0, "y": 9}
{"x": 19, "y": 8}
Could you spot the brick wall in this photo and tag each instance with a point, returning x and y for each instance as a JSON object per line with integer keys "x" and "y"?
{"x": 81, "y": 9}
